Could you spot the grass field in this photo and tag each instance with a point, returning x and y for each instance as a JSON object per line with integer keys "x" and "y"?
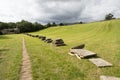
{"x": 10, "y": 57}
{"x": 54, "y": 63}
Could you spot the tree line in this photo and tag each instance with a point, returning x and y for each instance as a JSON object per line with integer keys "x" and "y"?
{"x": 23, "y": 26}
{"x": 26, "y": 26}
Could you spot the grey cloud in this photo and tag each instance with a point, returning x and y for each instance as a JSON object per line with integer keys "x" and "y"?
{"x": 58, "y": 10}
{"x": 78, "y": 10}
{"x": 62, "y": 10}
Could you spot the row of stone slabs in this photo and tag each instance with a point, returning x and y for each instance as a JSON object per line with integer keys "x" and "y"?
{"x": 82, "y": 53}
{"x": 79, "y": 52}
{"x": 57, "y": 42}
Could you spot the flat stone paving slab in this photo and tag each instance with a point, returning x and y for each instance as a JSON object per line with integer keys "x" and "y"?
{"x": 81, "y": 46}
{"x": 108, "y": 78}
{"x": 100, "y": 62}
{"x": 82, "y": 53}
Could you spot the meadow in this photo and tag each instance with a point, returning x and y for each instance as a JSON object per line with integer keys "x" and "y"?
{"x": 54, "y": 63}
{"x": 10, "y": 57}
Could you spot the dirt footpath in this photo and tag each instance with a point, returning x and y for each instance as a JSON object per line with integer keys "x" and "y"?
{"x": 26, "y": 72}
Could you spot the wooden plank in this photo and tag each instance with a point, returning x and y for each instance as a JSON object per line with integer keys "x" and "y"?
{"x": 82, "y": 53}
{"x": 100, "y": 62}
{"x": 108, "y": 78}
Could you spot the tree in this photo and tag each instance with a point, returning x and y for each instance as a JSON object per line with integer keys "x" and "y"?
{"x": 109, "y": 16}
{"x": 11, "y": 25}
{"x": 3, "y": 26}
{"x": 48, "y": 25}
{"x": 54, "y": 24}
{"x": 25, "y": 26}
{"x": 81, "y": 22}
{"x": 38, "y": 26}
{"x": 61, "y": 24}
{"x": 1, "y": 33}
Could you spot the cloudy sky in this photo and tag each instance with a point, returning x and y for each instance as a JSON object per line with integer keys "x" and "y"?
{"x": 44, "y": 11}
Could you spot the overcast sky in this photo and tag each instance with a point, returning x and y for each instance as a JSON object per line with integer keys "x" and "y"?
{"x": 44, "y": 11}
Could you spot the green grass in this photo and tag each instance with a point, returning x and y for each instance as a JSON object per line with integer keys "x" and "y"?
{"x": 53, "y": 63}
{"x": 10, "y": 57}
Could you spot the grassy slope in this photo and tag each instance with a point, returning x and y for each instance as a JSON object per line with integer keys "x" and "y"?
{"x": 10, "y": 57}
{"x": 53, "y": 63}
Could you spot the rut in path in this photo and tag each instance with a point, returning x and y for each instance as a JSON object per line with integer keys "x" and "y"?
{"x": 26, "y": 73}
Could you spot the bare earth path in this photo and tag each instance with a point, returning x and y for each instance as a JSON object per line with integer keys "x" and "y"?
{"x": 26, "y": 73}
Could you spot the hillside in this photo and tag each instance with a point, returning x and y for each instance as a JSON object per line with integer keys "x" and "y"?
{"x": 94, "y": 35}
{"x": 99, "y": 37}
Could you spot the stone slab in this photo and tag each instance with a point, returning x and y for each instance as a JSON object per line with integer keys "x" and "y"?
{"x": 82, "y": 53}
{"x": 100, "y": 62}
{"x": 108, "y": 78}
{"x": 79, "y": 46}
